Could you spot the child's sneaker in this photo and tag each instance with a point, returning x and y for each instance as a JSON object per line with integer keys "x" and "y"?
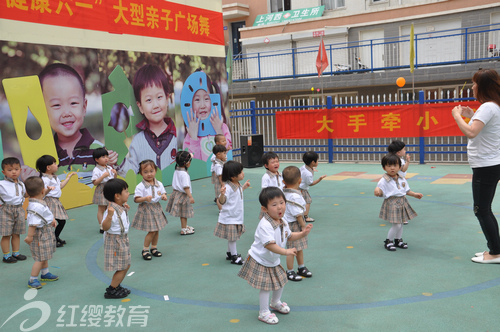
{"x": 389, "y": 245}
{"x": 400, "y": 244}
{"x": 34, "y": 284}
{"x": 48, "y": 277}
{"x": 268, "y": 318}
{"x": 304, "y": 272}
{"x": 126, "y": 290}
{"x": 115, "y": 293}
{"x": 281, "y": 307}
{"x": 291, "y": 275}
{"x": 9, "y": 260}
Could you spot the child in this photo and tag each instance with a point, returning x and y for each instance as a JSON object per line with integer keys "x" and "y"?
{"x": 149, "y": 216}
{"x": 157, "y": 139}
{"x": 47, "y": 166}
{"x": 272, "y": 177}
{"x": 398, "y": 148}
{"x": 395, "y": 208}
{"x": 40, "y": 234}
{"x": 310, "y": 160}
{"x": 200, "y": 115}
{"x": 64, "y": 94}
{"x": 179, "y": 203}
{"x": 12, "y": 192}
{"x": 294, "y": 216}
{"x": 230, "y": 225}
{"x": 101, "y": 174}
{"x": 220, "y": 158}
{"x": 262, "y": 267}
{"x": 116, "y": 243}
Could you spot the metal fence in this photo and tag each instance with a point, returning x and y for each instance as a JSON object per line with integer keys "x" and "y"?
{"x": 463, "y": 45}
{"x": 248, "y": 117}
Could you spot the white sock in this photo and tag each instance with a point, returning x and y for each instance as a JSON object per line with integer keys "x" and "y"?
{"x": 276, "y": 299}
{"x": 231, "y": 245}
{"x": 33, "y": 278}
{"x": 44, "y": 271}
{"x": 264, "y": 301}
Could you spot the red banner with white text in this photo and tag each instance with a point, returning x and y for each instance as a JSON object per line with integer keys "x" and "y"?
{"x": 152, "y": 18}
{"x": 427, "y": 120}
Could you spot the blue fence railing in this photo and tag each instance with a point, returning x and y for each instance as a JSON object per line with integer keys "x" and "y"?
{"x": 478, "y": 43}
{"x": 421, "y": 148}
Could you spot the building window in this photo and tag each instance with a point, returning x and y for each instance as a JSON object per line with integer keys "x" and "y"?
{"x": 379, "y": 1}
{"x": 280, "y": 5}
{"x": 333, "y": 4}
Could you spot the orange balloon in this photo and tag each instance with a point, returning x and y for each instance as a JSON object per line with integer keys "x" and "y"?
{"x": 401, "y": 82}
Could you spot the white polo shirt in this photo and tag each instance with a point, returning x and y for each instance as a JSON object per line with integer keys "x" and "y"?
{"x": 42, "y": 209}
{"x": 99, "y": 171}
{"x": 52, "y": 181}
{"x": 232, "y": 210}
{"x": 12, "y": 193}
{"x": 218, "y": 166}
{"x": 145, "y": 189}
{"x": 269, "y": 231}
{"x": 272, "y": 180}
{"x": 116, "y": 228}
{"x": 392, "y": 187}
{"x": 307, "y": 175}
{"x": 295, "y": 205}
{"x": 181, "y": 180}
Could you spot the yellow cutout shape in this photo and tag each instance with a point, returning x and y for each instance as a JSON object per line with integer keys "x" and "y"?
{"x": 24, "y": 95}
{"x": 76, "y": 194}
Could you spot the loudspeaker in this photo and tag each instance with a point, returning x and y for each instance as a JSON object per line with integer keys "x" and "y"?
{"x": 252, "y": 149}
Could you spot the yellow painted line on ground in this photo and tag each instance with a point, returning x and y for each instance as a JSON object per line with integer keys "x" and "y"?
{"x": 337, "y": 178}
{"x": 450, "y": 181}
{"x": 410, "y": 175}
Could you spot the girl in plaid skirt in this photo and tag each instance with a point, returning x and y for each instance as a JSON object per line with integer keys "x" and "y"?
{"x": 47, "y": 166}
{"x": 179, "y": 203}
{"x": 149, "y": 216}
{"x": 395, "y": 208}
{"x": 262, "y": 269}
{"x": 219, "y": 152}
{"x": 230, "y": 225}
{"x": 101, "y": 174}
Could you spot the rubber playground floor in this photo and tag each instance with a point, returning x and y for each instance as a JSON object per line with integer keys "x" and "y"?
{"x": 357, "y": 284}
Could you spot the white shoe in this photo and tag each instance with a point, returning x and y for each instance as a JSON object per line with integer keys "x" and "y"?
{"x": 268, "y": 318}
{"x": 479, "y": 254}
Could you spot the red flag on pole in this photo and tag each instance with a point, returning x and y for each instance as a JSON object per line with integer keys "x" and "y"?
{"x": 321, "y": 59}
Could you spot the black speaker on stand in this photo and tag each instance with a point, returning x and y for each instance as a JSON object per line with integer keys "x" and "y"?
{"x": 252, "y": 149}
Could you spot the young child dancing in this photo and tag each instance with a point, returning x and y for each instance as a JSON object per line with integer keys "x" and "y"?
{"x": 116, "y": 243}
{"x": 262, "y": 269}
{"x": 230, "y": 225}
{"x": 310, "y": 160}
{"x": 219, "y": 152}
{"x": 12, "y": 218}
{"x": 40, "y": 234}
{"x": 395, "y": 208}
{"x": 181, "y": 200}
{"x": 294, "y": 216}
{"x": 47, "y": 166}
{"x": 149, "y": 216}
{"x": 399, "y": 149}
{"x": 101, "y": 174}
{"x": 272, "y": 177}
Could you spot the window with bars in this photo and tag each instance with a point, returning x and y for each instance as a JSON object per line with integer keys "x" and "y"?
{"x": 280, "y": 5}
{"x": 333, "y": 4}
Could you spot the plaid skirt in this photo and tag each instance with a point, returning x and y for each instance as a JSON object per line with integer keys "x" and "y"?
{"x": 44, "y": 244}
{"x": 99, "y": 195}
{"x": 178, "y": 205}
{"x": 56, "y": 207}
{"x": 262, "y": 277}
{"x": 396, "y": 210}
{"x": 12, "y": 220}
{"x": 149, "y": 217}
{"x": 306, "y": 195}
{"x": 231, "y": 232}
{"x": 116, "y": 252}
{"x": 217, "y": 187}
{"x": 299, "y": 244}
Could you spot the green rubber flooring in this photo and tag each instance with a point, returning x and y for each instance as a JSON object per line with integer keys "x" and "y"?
{"x": 357, "y": 284}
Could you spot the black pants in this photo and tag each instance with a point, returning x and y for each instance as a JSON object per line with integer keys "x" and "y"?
{"x": 484, "y": 185}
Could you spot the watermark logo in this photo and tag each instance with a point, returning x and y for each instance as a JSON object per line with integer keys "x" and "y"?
{"x": 40, "y": 305}
{"x": 82, "y": 315}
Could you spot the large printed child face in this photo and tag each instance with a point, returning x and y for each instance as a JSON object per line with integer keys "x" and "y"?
{"x": 202, "y": 104}
{"x": 66, "y": 105}
{"x": 276, "y": 208}
{"x": 153, "y": 103}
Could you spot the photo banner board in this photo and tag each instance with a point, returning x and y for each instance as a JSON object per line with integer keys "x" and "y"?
{"x": 93, "y": 104}
{"x": 427, "y": 120}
